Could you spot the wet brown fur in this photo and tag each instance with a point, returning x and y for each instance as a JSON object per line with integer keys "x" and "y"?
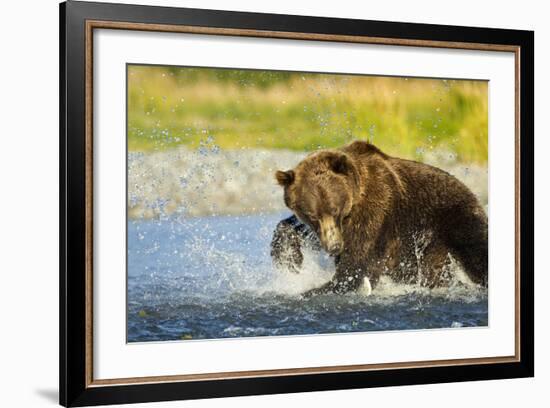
{"x": 397, "y": 217}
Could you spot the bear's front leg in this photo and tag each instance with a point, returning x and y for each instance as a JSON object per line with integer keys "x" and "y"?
{"x": 348, "y": 277}
{"x": 322, "y": 290}
{"x": 337, "y": 286}
{"x": 289, "y": 239}
{"x": 286, "y": 245}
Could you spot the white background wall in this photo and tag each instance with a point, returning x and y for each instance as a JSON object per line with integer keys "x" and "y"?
{"x": 29, "y": 201}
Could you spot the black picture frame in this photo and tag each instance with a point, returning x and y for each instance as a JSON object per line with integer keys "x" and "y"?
{"x": 75, "y": 389}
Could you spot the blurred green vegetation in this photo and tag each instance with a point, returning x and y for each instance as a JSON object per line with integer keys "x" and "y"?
{"x": 406, "y": 117}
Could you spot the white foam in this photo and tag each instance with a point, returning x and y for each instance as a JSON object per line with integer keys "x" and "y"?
{"x": 313, "y": 274}
{"x": 238, "y": 274}
{"x": 316, "y": 270}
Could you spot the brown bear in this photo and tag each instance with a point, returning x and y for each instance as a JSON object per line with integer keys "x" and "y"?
{"x": 377, "y": 214}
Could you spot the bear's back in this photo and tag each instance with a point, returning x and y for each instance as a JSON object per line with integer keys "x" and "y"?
{"x": 417, "y": 186}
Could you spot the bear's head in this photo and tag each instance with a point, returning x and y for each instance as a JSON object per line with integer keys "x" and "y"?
{"x": 321, "y": 191}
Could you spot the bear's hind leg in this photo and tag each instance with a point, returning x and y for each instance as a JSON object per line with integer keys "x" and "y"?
{"x": 468, "y": 243}
{"x": 473, "y": 258}
{"x": 434, "y": 266}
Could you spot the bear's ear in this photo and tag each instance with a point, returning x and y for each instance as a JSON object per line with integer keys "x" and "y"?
{"x": 339, "y": 163}
{"x": 285, "y": 178}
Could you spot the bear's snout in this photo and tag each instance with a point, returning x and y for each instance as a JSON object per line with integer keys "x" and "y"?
{"x": 331, "y": 236}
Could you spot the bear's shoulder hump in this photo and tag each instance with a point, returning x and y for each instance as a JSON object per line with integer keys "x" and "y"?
{"x": 360, "y": 147}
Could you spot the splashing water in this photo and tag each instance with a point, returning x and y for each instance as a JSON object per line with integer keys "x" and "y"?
{"x": 212, "y": 277}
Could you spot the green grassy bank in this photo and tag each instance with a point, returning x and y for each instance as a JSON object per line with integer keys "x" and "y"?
{"x": 234, "y": 109}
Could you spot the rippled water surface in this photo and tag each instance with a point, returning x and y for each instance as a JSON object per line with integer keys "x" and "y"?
{"x": 211, "y": 277}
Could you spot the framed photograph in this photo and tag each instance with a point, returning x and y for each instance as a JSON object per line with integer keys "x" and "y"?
{"x": 256, "y": 203}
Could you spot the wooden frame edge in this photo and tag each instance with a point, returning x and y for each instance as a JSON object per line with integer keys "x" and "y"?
{"x": 89, "y": 205}
{"x": 517, "y": 199}
{"x": 231, "y": 375}
{"x": 289, "y": 35}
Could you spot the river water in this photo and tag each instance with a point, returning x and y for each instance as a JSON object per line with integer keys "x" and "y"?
{"x": 212, "y": 277}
